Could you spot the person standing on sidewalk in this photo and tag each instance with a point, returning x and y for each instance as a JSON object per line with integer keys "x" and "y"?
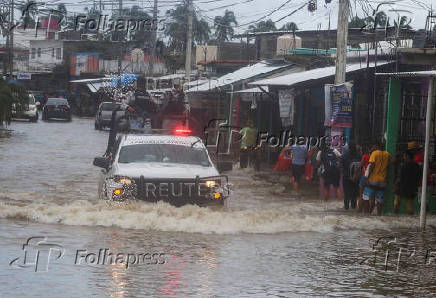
{"x": 248, "y": 142}
{"x": 350, "y": 166}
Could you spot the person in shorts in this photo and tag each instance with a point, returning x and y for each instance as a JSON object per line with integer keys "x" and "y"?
{"x": 329, "y": 159}
{"x": 373, "y": 193}
{"x": 299, "y": 153}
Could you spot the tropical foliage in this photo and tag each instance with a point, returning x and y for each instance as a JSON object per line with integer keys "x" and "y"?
{"x": 263, "y": 26}
{"x": 223, "y": 26}
{"x": 9, "y": 95}
{"x": 291, "y": 26}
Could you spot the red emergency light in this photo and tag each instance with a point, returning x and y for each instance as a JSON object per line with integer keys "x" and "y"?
{"x": 182, "y": 131}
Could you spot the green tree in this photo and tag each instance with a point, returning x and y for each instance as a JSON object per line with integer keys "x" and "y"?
{"x": 9, "y": 95}
{"x": 357, "y": 22}
{"x": 201, "y": 31}
{"x": 223, "y": 26}
{"x": 177, "y": 27}
{"x": 176, "y": 31}
{"x": 263, "y": 26}
{"x": 291, "y": 26}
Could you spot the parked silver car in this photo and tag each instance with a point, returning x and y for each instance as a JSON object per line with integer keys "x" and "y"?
{"x": 29, "y": 111}
{"x": 104, "y": 113}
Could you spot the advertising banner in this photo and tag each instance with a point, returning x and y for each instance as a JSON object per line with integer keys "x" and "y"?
{"x": 341, "y": 103}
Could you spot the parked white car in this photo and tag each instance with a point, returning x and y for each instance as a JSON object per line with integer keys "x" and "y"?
{"x": 175, "y": 169}
{"x": 29, "y": 111}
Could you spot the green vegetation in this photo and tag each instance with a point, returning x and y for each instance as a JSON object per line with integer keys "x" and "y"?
{"x": 11, "y": 94}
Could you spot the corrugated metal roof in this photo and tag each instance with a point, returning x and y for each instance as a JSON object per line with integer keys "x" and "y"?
{"x": 313, "y": 74}
{"x": 238, "y": 75}
{"x": 253, "y": 90}
{"x": 424, "y": 73}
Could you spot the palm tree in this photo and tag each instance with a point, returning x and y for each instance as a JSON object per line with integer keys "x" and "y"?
{"x": 263, "y": 26}
{"x": 201, "y": 31}
{"x": 176, "y": 29}
{"x": 28, "y": 11}
{"x": 223, "y": 26}
{"x": 379, "y": 20}
{"x": 404, "y": 23}
{"x": 291, "y": 26}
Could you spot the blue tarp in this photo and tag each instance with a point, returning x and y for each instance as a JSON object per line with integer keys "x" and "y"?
{"x": 126, "y": 78}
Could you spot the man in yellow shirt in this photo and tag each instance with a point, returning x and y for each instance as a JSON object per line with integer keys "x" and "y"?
{"x": 248, "y": 142}
{"x": 377, "y": 172}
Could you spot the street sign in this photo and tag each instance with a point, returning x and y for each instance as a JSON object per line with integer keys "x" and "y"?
{"x": 24, "y": 76}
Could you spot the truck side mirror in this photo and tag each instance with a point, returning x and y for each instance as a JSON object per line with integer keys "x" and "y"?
{"x": 101, "y": 162}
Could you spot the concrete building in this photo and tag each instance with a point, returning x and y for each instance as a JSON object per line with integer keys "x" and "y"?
{"x": 225, "y": 57}
{"x": 44, "y": 55}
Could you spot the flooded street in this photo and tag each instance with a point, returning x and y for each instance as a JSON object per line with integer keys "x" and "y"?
{"x": 265, "y": 242}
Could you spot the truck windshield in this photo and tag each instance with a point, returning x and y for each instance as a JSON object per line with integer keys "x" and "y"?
{"x": 163, "y": 153}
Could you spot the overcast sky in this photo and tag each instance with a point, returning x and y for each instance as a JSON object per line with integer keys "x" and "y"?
{"x": 249, "y": 11}
{"x": 255, "y": 9}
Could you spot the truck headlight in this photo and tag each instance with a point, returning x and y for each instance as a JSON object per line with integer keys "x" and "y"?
{"x": 123, "y": 180}
{"x": 211, "y": 183}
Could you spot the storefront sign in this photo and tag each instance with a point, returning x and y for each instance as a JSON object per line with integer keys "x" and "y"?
{"x": 287, "y": 106}
{"x": 24, "y": 76}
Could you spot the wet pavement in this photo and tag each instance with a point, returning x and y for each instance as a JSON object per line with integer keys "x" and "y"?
{"x": 264, "y": 242}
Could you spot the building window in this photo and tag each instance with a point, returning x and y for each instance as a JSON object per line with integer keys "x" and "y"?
{"x": 39, "y": 52}
{"x": 33, "y": 53}
{"x": 58, "y": 54}
{"x": 52, "y": 52}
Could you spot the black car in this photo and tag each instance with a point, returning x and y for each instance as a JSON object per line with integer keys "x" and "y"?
{"x": 56, "y": 108}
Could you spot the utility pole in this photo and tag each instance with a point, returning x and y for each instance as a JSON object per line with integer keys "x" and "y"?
{"x": 341, "y": 41}
{"x": 11, "y": 40}
{"x": 189, "y": 43}
{"x": 153, "y": 39}
{"x": 120, "y": 44}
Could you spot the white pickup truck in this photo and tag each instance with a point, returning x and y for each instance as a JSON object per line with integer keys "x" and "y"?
{"x": 171, "y": 168}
